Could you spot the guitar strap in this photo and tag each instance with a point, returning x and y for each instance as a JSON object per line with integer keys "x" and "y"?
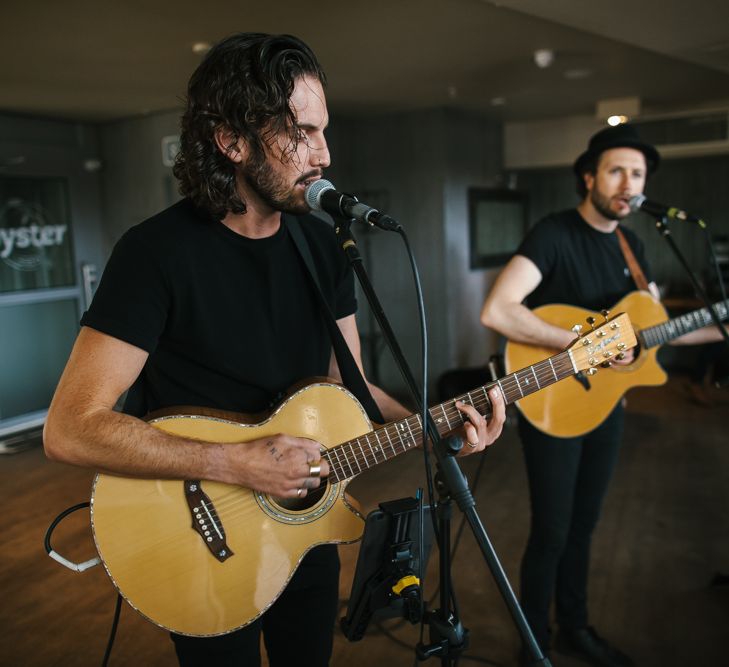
{"x": 633, "y": 266}
{"x": 351, "y": 375}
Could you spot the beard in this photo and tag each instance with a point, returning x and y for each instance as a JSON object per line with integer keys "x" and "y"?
{"x": 602, "y": 206}
{"x": 272, "y": 188}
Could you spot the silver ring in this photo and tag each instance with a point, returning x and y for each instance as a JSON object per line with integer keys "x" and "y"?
{"x": 314, "y": 470}
{"x": 470, "y": 444}
{"x": 300, "y": 492}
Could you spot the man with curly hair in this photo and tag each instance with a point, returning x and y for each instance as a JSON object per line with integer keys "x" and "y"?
{"x": 208, "y": 303}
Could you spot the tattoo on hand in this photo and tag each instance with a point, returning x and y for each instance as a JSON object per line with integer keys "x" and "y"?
{"x": 274, "y": 451}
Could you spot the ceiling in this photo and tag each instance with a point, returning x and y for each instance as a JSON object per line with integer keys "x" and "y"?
{"x": 100, "y": 61}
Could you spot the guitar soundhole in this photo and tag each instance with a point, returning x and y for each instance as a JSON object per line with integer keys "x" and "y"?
{"x": 302, "y": 504}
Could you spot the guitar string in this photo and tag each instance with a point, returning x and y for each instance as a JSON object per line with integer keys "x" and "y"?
{"x": 231, "y": 503}
{"x": 510, "y": 385}
{"x": 454, "y": 415}
{"x": 664, "y": 331}
{"x": 235, "y": 504}
{"x": 363, "y": 454}
{"x": 349, "y": 464}
{"x": 357, "y": 461}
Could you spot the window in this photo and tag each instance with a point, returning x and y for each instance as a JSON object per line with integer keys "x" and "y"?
{"x": 497, "y": 224}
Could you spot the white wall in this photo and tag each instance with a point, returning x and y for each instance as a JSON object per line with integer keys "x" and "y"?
{"x": 547, "y": 143}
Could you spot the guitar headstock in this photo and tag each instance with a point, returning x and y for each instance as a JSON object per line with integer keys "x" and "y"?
{"x": 601, "y": 344}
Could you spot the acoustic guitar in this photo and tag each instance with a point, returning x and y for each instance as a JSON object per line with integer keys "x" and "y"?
{"x": 205, "y": 558}
{"x": 577, "y": 407}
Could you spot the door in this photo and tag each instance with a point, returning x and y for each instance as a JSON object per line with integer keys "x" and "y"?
{"x": 46, "y": 242}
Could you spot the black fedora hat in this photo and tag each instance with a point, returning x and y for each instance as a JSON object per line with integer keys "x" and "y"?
{"x": 619, "y": 136}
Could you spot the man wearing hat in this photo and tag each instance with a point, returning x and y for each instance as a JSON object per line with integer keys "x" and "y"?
{"x": 574, "y": 257}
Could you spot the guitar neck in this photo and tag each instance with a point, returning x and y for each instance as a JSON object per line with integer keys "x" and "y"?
{"x": 355, "y": 456}
{"x": 678, "y": 326}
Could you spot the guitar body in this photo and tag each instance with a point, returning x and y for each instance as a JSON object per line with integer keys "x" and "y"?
{"x": 165, "y": 570}
{"x": 566, "y": 409}
{"x": 204, "y": 558}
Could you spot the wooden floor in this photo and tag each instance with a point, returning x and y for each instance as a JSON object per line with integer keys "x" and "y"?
{"x": 663, "y": 536}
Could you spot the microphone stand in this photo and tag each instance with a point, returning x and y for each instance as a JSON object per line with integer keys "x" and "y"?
{"x": 448, "y": 637}
{"x": 665, "y": 232}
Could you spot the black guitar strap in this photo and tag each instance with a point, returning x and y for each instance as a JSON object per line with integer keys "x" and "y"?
{"x": 351, "y": 375}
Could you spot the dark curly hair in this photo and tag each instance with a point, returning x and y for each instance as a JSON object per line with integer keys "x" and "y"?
{"x": 243, "y": 85}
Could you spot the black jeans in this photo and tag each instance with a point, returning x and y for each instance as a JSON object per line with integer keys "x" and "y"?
{"x": 298, "y": 629}
{"x": 568, "y": 478}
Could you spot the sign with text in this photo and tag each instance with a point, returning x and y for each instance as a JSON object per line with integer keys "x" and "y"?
{"x": 35, "y": 234}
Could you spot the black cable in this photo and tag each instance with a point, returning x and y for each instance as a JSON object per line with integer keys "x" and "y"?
{"x": 388, "y": 634}
{"x": 424, "y": 415}
{"x": 427, "y": 462}
{"x": 112, "y": 633}
{"x": 49, "y": 548}
{"x": 57, "y": 520}
{"x": 424, "y": 352}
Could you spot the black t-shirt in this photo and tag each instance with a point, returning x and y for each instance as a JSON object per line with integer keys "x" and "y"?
{"x": 580, "y": 265}
{"x": 229, "y": 322}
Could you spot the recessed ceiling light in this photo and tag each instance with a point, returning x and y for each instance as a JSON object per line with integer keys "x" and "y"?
{"x": 201, "y": 48}
{"x": 543, "y": 57}
{"x": 617, "y": 120}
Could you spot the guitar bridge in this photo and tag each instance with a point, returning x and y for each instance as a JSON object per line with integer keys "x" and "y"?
{"x": 205, "y": 520}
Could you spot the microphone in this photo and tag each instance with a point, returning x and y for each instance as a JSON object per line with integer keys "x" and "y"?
{"x": 321, "y": 196}
{"x": 639, "y": 202}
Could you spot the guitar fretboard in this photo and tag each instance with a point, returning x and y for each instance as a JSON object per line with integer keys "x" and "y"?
{"x": 355, "y": 456}
{"x": 678, "y": 326}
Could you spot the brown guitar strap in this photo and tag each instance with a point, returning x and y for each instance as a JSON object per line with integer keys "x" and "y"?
{"x": 633, "y": 266}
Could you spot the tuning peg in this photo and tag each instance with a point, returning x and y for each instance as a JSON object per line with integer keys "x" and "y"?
{"x": 620, "y": 355}
{"x": 591, "y": 371}
{"x": 614, "y": 325}
{"x": 607, "y": 354}
{"x": 621, "y": 346}
{"x": 577, "y": 328}
{"x": 605, "y": 364}
{"x": 591, "y": 322}
{"x": 605, "y": 314}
